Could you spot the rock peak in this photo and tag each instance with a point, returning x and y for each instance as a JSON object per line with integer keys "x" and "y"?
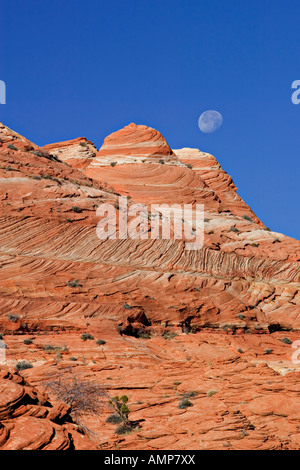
{"x": 133, "y": 143}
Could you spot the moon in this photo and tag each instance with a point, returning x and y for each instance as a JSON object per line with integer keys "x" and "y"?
{"x": 210, "y": 121}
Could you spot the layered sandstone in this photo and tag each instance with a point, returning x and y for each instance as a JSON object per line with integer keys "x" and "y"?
{"x": 78, "y": 153}
{"x": 210, "y": 314}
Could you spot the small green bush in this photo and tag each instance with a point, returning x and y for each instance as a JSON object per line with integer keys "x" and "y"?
{"x": 13, "y": 318}
{"x": 127, "y": 306}
{"x": 100, "y": 342}
{"x": 12, "y": 147}
{"x": 22, "y": 365}
{"x": 185, "y": 403}
{"x": 86, "y": 336}
{"x": 286, "y": 340}
{"x": 114, "y": 419}
{"x": 247, "y": 217}
{"x": 27, "y": 341}
{"x": 210, "y": 393}
{"x": 77, "y": 209}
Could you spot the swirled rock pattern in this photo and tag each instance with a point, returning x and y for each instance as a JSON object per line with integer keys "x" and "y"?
{"x": 78, "y": 153}
{"x": 219, "y": 319}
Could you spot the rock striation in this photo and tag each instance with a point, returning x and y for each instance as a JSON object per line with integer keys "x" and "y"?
{"x": 219, "y": 319}
{"x": 78, "y": 153}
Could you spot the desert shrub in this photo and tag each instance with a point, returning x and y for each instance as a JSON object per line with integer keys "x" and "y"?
{"x": 86, "y": 336}
{"x": 184, "y": 403}
{"x": 72, "y": 358}
{"x": 169, "y": 334}
{"x": 210, "y": 393}
{"x": 77, "y": 209}
{"x": 27, "y": 341}
{"x": 234, "y": 229}
{"x": 113, "y": 163}
{"x": 286, "y": 340}
{"x": 114, "y": 419}
{"x": 55, "y": 349}
{"x": 124, "y": 429}
{"x": 83, "y": 397}
{"x": 13, "y": 318}
{"x": 121, "y": 408}
{"x": 190, "y": 166}
{"x": 74, "y": 283}
{"x": 247, "y": 217}
{"x": 190, "y": 394}
{"x": 161, "y": 161}
{"x": 100, "y": 342}
{"x": 22, "y": 365}
{"x": 83, "y": 144}
{"x": 268, "y": 351}
{"x": 12, "y": 147}
{"x": 127, "y": 306}
{"x": 241, "y": 316}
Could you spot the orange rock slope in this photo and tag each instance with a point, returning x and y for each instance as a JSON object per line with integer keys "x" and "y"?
{"x": 216, "y": 324}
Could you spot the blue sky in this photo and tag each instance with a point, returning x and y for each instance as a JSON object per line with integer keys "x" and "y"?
{"x": 75, "y": 68}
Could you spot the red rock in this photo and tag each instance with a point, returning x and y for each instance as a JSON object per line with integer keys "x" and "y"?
{"x": 78, "y": 153}
{"x": 212, "y": 314}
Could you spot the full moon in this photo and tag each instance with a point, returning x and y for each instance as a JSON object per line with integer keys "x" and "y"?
{"x": 210, "y": 121}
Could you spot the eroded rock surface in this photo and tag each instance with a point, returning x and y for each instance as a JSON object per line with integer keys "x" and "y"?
{"x": 220, "y": 319}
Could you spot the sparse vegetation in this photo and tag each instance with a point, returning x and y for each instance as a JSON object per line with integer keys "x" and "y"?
{"x": 247, "y": 217}
{"x": 286, "y": 340}
{"x": 86, "y": 336}
{"x": 185, "y": 403}
{"x": 55, "y": 349}
{"x": 13, "y": 318}
{"x": 77, "y": 209}
{"x": 161, "y": 161}
{"x": 234, "y": 229}
{"x": 83, "y": 397}
{"x": 210, "y": 393}
{"x": 27, "y": 341}
{"x": 190, "y": 166}
{"x": 74, "y": 283}
{"x": 12, "y": 147}
{"x": 113, "y": 163}
{"x": 241, "y": 316}
{"x": 100, "y": 342}
{"x": 268, "y": 351}
{"x": 122, "y": 412}
{"x": 114, "y": 419}
{"x": 127, "y": 306}
{"x": 169, "y": 334}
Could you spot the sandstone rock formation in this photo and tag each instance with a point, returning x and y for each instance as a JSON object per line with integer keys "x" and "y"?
{"x": 78, "y": 153}
{"x": 221, "y": 318}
